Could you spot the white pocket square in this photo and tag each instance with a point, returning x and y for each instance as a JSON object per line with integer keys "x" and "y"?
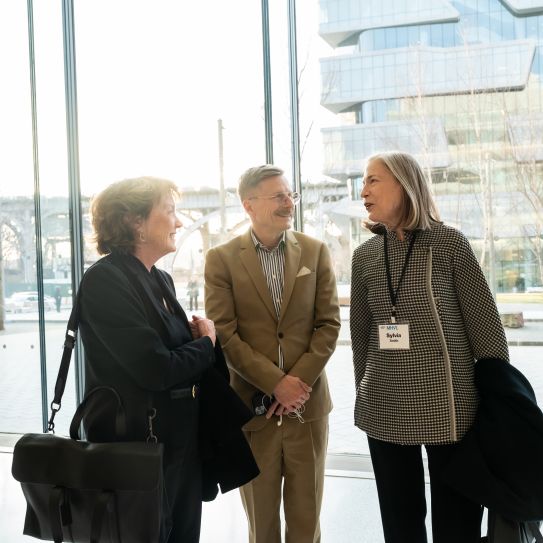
{"x": 303, "y": 271}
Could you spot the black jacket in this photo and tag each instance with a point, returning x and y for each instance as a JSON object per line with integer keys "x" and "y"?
{"x": 227, "y": 459}
{"x": 499, "y": 463}
{"x": 131, "y": 346}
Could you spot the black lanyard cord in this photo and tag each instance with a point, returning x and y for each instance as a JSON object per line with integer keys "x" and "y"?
{"x": 394, "y": 293}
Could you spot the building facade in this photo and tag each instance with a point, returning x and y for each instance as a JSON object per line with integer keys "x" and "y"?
{"x": 458, "y": 84}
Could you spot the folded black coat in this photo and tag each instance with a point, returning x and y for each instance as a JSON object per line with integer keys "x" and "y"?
{"x": 499, "y": 463}
{"x": 227, "y": 459}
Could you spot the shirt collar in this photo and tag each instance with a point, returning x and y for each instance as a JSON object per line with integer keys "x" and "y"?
{"x": 259, "y": 245}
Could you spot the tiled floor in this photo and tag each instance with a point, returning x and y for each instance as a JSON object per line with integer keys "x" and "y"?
{"x": 350, "y": 514}
{"x": 350, "y": 511}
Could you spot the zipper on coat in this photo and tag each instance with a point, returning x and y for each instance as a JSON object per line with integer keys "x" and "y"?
{"x": 446, "y": 358}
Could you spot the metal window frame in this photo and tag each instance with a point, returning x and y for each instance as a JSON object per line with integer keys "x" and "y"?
{"x": 293, "y": 95}
{"x": 37, "y": 213}
{"x": 75, "y": 220}
{"x": 74, "y": 184}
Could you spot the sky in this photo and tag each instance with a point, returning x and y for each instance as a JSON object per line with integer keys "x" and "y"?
{"x": 154, "y": 77}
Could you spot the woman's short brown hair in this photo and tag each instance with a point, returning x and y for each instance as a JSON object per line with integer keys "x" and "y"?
{"x": 117, "y": 207}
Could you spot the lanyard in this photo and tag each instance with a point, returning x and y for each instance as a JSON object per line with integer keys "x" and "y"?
{"x": 394, "y": 293}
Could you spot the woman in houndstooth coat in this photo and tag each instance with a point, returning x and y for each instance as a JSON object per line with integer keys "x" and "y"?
{"x": 421, "y": 315}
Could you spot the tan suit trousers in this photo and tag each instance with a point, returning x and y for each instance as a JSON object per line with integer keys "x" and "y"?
{"x": 293, "y": 454}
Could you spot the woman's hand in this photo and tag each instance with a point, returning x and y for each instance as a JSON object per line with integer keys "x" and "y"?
{"x": 201, "y": 327}
{"x": 194, "y": 327}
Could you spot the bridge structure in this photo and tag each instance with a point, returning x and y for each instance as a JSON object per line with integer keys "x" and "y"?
{"x": 202, "y": 211}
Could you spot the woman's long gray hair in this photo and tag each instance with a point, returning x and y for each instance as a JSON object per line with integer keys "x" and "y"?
{"x": 419, "y": 210}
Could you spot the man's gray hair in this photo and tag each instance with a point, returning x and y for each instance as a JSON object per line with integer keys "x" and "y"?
{"x": 254, "y": 176}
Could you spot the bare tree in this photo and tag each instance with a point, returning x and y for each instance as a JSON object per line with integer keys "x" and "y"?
{"x": 2, "y": 302}
{"x": 10, "y": 256}
{"x": 528, "y": 181}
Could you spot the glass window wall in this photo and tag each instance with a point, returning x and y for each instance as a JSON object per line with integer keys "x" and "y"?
{"x": 36, "y": 251}
{"x": 179, "y": 94}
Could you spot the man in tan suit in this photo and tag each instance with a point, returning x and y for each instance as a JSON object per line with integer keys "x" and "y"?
{"x": 272, "y": 295}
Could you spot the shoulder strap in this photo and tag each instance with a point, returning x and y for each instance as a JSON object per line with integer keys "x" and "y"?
{"x": 69, "y": 344}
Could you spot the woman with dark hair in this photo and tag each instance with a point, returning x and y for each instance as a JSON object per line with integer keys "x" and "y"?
{"x": 139, "y": 341}
{"x": 421, "y": 316}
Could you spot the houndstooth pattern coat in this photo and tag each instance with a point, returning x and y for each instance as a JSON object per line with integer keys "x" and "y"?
{"x": 424, "y": 395}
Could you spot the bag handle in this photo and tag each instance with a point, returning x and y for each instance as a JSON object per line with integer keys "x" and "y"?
{"x": 85, "y": 406}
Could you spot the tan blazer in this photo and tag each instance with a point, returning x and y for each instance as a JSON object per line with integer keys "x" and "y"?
{"x": 237, "y": 298}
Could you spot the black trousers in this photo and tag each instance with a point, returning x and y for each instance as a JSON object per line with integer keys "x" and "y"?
{"x": 182, "y": 507}
{"x": 399, "y": 475}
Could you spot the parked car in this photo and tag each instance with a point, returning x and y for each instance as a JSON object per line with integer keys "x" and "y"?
{"x": 26, "y": 302}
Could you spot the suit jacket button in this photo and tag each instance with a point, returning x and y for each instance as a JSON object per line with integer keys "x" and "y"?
{"x": 280, "y": 334}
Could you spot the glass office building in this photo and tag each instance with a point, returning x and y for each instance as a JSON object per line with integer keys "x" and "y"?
{"x": 458, "y": 84}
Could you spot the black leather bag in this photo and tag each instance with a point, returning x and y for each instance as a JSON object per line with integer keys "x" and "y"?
{"x": 89, "y": 492}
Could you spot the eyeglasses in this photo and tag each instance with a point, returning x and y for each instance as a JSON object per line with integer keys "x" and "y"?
{"x": 280, "y": 197}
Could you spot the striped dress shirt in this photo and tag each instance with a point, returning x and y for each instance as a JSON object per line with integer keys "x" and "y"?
{"x": 273, "y": 266}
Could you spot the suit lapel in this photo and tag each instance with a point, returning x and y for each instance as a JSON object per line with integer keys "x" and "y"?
{"x": 292, "y": 262}
{"x": 250, "y": 261}
{"x": 170, "y": 298}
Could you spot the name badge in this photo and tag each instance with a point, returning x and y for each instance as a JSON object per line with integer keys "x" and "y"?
{"x": 394, "y": 336}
